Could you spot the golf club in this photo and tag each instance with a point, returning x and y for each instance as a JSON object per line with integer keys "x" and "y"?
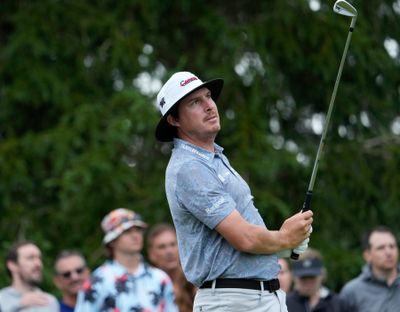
{"x": 341, "y": 7}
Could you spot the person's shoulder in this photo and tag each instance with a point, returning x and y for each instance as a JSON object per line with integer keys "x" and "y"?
{"x": 107, "y": 267}
{"x": 51, "y": 297}
{"x": 183, "y": 165}
{"x": 104, "y": 272}
{"x": 7, "y": 291}
{"x": 329, "y": 295}
{"x": 352, "y": 285}
{"x": 155, "y": 271}
{"x": 158, "y": 274}
{"x": 53, "y": 301}
{"x": 2, "y": 292}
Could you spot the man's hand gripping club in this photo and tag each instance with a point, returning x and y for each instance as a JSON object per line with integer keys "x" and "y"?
{"x": 297, "y": 230}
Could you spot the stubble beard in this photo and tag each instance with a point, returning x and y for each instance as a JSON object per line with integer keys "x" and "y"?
{"x": 32, "y": 282}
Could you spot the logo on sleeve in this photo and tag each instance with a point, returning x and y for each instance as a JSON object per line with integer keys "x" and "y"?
{"x": 215, "y": 206}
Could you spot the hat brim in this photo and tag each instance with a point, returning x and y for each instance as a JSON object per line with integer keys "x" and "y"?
{"x": 114, "y": 234}
{"x": 310, "y": 272}
{"x": 164, "y": 131}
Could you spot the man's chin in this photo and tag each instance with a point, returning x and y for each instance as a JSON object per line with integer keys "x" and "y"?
{"x": 75, "y": 289}
{"x": 172, "y": 266}
{"x": 35, "y": 282}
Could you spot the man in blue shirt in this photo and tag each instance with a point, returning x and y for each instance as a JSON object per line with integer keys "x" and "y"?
{"x": 71, "y": 272}
{"x": 125, "y": 282}
{"x": 225, "y": 248}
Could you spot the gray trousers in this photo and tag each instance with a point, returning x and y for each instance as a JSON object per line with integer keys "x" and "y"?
{"x": 239, "y": 300}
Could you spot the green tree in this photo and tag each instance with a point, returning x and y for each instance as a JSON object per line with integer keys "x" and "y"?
{"x": 77, "y": 89}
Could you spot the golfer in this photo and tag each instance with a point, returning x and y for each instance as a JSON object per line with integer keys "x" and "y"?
{"x": 225, "y": 248}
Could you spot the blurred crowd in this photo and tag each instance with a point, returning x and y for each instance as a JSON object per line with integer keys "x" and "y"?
{"x": 129, "y": 281}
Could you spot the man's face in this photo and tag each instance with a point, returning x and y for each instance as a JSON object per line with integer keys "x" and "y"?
{"x": 308, "y": 285}
{"x": 163, "y": 252}
{"x": 129, "y": 242}
{"x": 29, "y": 265}
{"x": 284, "y": 275}
{"x": 198, "y": 116}
{"x": 71, "y": 273}
{"x": 383, "y": 253}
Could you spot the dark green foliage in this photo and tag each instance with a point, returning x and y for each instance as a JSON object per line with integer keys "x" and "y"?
{"x": 77, "y": 135}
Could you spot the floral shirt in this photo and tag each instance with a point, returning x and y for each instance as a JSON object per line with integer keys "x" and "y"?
{"x": 112, "y": 289}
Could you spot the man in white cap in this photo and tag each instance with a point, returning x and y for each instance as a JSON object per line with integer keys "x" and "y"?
{"x": 225, "y": 248}
{"x": 125, "y": 282}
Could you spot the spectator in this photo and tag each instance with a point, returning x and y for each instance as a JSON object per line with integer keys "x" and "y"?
{"x": 24, "y": 265}
{"x": 125, "y": 282}
{"x": 377, "y": 288}
{"x": 162, "y": 249}
{"x": 309, "y": 294}
{"x": 285, "y": 276}
{"x": 71, "y": 272}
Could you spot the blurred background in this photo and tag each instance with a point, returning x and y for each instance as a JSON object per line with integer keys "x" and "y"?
{"x": 78, "y": 81}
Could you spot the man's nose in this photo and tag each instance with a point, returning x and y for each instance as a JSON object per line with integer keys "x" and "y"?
{"x": 39, "y": 263}
{"x": 75, "y": 276}
{"x": 208, "y": 103}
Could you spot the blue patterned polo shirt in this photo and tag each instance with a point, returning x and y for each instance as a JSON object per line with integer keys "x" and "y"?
{"x": 202, "y": 189}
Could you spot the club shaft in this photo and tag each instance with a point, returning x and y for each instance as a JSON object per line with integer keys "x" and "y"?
{"x": 309, "y": 193}
{"x": 329, "y": 114}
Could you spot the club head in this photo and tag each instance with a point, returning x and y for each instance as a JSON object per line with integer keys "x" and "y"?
{"x": 344, "y": 8}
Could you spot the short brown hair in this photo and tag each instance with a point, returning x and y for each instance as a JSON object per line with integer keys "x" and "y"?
{"x": 157, "y": 230}
{"x": 66, "y": 253}
{"x": 377, "y": 229}
{"x": 12, "y": 254}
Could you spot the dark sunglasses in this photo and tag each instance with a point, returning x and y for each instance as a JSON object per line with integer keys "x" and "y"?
{"x": 68, "y": 274}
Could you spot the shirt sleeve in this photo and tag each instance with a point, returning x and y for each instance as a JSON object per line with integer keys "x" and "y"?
{"x": 200, "y": 190}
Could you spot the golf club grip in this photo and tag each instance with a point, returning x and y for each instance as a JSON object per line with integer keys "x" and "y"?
{"x": 307, "y": 201}
{"x": 306, "y": 206}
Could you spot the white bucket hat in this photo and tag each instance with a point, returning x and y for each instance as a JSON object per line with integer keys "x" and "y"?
{"x": 118, "y": 221}
{"x": 176, "y": 88}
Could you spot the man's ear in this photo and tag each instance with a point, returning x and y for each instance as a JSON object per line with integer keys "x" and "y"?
{"x": 172, "y": 121}
{"x": 12, "y": 266}
{"x": 366, "y": 255}
{"x": 56, "y": 281}
{"x": 150, "y": 255}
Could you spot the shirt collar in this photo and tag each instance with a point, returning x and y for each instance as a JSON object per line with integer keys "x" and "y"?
{"x": 197, "y": 150}
{"x": 141, "y": 270}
